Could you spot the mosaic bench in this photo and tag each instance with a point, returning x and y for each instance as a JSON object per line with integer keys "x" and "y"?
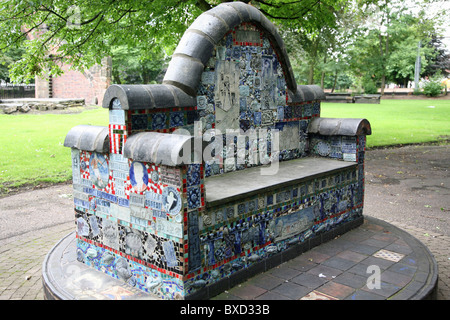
{"x": 222, "y": 171}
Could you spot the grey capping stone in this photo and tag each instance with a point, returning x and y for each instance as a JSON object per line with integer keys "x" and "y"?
{"x": 340, "y": 126}
{"x": 320, "y": 95}
{"x": 182, "y": 99}
{"x": 266, "y": 24}
{"x": 241, "y": 9}
{"x": 255, "y": 14}
{"x": 295, "y": 97}
{"x": 135, "y": 97}
{"x": 130, "y": 96}
{"x": 195, "y": 45}
{"x": 306, "y": 93}
{"x": 162, "y": 96}
{"x": 88, "y": 138}
{"x": 184, "y": 72}
{"x": 115, "y": 91}
{"x": 228, "y": 14}
{"x": 160, "y": 148}
{"x": 211, "y": 26}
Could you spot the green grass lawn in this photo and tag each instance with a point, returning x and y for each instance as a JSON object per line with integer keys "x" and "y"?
{"x": 397, "y": 122}
{"x": 32, "y": 151}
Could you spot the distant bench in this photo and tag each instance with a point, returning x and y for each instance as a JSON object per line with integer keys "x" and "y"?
{"x": 368, "y": 98}
{"x": 347, "y": 98}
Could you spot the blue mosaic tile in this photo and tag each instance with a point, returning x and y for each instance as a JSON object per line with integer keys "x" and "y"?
{"x": 159, "y": 121}
{"x": 193, "y": 197}
{"x": 176, "y": 119}
{"x": 192, "y": 116}
{"x": 139, "y": 122}
{"x": 288, "y": 112}
{"x": 193, "y": 175}
{"x": 280, "y": 113}
{"x": 269, "y": 199}
{"x": 257, "y": 118}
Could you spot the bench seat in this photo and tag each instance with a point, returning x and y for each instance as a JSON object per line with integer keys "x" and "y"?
{"x": 238, "y": 185}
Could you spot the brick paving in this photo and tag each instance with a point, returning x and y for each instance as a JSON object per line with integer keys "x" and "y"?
{"x": 338, "y": 269}
{"x": 21, "y": 259}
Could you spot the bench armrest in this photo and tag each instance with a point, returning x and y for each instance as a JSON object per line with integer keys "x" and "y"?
{"x": 343, "y": 139}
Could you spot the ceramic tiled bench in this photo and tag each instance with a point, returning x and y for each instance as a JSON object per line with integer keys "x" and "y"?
{"x": 174, "y": 204}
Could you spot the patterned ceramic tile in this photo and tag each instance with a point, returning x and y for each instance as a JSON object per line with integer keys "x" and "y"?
{"x": 316, "y": 295}
{"x": 389, "y": 255}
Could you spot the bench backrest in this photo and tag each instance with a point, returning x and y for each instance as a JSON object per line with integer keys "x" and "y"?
{"x": 229, "y": 81}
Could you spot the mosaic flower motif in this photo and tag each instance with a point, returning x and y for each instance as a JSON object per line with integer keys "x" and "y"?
{"x": 193, "y": 175}
{"x": 316, "y": 108}
{"x": 176, "y": 119}
{"x": 230, "y": 212}
{"x": 193, "y": 197}
{"x": 297, "y": 111}
{"x": 122, "y": 269}
{"x": 208, "y": 170}
{"x": 241, "y": 208}
{"x": 159, "y": 121}
{"x": 269, "y": 199}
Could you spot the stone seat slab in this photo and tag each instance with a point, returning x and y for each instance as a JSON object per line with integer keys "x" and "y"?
{"x": 242, "y": 184}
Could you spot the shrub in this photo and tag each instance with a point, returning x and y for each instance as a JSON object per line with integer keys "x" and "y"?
{"x": 432, "y": 88}
{"x": 370, "y": 87}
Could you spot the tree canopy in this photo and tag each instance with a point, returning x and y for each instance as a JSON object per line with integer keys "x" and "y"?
{"x": 81, "y": 33}
{"x": 137, "y": 33}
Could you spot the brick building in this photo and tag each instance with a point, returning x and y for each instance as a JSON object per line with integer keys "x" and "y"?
{"x": 90, "y": 84}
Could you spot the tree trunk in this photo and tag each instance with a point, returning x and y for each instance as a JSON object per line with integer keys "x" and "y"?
{"x": 384, "y": 54}
{"x": 313, "y": 61}
{"x": 116, "y": 77}
{"x": 334, "y": 82}
{"x": 145, "y": 75}
{"x": 311, "y": 74}
{"x": 322, "y": 78}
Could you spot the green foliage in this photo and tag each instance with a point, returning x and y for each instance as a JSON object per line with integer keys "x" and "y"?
{"x": 433, "y": 87}
{"x": 321, "y": 37}
{"x": 370, "y": 87}
{"x": 81, "y": 33}
{"x": 386, "y": 41}
{"x": 7, "y": 58}
{"x": 130, "y": 66}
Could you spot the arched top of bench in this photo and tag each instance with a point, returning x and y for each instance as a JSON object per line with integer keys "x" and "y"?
{"x": 196, "y": 45}
{"x": 182, "y": 78}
